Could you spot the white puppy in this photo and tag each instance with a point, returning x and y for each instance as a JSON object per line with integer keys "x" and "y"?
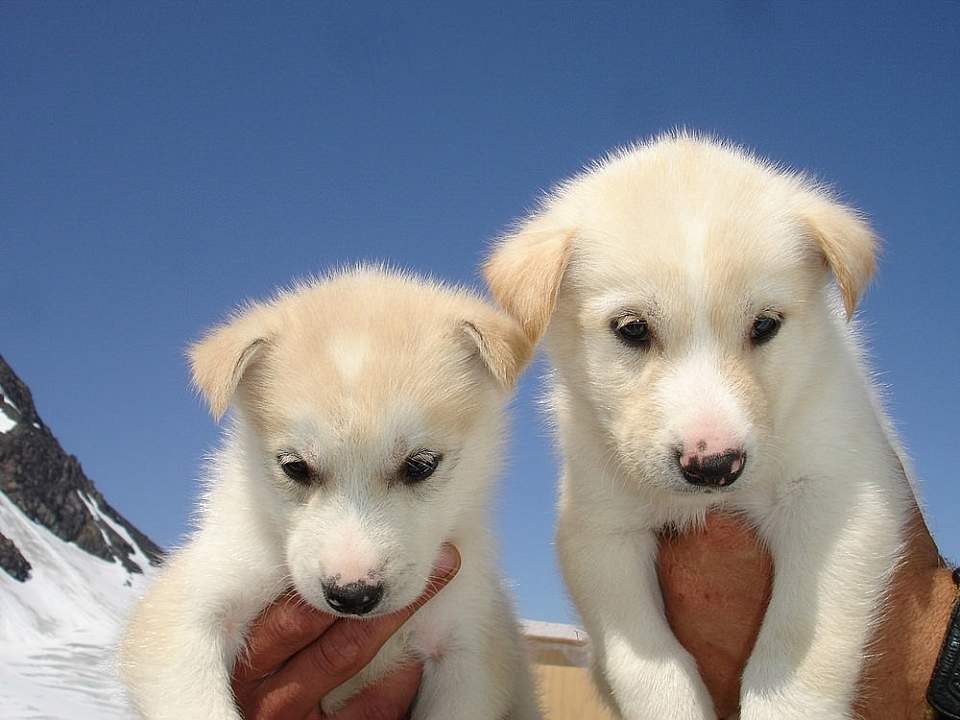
{"x": 369, "y": 415}
{"x": 702, "y": 362}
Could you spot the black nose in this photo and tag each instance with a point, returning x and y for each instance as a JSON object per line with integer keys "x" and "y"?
{"x": 713, "y": 470}
{"x": 353, "y": 599}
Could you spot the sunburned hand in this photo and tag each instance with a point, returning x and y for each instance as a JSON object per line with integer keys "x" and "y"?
{"x": 296, "y": 655}
{"x": 716, "y": 585}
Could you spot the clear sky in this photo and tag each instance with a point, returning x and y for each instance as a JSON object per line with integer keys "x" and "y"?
{"x": 160, "y": 162}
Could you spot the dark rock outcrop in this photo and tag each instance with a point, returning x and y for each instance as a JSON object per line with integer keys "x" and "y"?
{"x": 49, "y": 486}
{"x": 12, "y": 560}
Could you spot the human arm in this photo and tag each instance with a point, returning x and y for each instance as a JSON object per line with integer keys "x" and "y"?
{"x": 716, "y": 585}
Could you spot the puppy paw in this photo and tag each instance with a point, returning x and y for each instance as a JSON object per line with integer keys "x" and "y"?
{"x": 676, "y": 697}
{"x": 791, "y": 708}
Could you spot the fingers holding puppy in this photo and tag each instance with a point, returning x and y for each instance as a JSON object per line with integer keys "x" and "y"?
{"x": 388, "y": 700}
{"x": 296, "y": 655}
{"x": 281, "y": 631}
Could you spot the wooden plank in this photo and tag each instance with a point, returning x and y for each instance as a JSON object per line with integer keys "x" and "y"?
{"x": 567, "y": 693}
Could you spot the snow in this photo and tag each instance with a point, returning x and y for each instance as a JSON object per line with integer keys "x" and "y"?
{"x": 59, "y": 679}
{"x": 7, "y": 400}
{"x": 7, "y": 423}
{"x": 58, "y": 630}
{"x": 138, "y": 555}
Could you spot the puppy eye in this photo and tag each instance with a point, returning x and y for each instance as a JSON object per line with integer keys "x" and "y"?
{"x": 632, "y": 330}
{"x": 764, "y": 328}
{"x": 295, "y": 468}
{"x": 420, "y": 465}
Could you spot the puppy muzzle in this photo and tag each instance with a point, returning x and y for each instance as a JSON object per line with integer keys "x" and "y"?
{"x": 712, "y": 471}
{"x": 353, "y": 599}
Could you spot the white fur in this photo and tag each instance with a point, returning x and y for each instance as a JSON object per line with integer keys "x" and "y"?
{"x": 349, "y": 354}
{"x": 699, "y": 238}
{"x": 351, "y": 373}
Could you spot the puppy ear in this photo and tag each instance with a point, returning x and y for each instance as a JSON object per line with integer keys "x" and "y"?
{"x": 219, "y": 361}
{"x": 502, "y": 345}
{"x": 524, "y": 273}
{"x": 847, "y": 242}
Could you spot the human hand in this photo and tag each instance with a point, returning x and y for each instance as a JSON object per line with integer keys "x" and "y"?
{"x": 297, "y": 654}
{"x": 716, "y": 586}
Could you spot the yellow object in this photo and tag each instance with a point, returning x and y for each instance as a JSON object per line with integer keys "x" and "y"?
{"x": 560, "y": 657}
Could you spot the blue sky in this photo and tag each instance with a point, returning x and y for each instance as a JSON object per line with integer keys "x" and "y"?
{"x": 161, "y": 162}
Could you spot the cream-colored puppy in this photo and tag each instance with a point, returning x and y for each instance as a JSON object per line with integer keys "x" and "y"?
{"x": 703, "y": 360}
{"x": 369, "y": 416}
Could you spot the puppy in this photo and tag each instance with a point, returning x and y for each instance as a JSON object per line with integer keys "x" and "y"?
{"x": 369, "y": 410}
{"x": 703, "y": 360}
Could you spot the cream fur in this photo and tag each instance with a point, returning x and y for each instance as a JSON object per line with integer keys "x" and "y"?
{"x": 698, "y": 237}
{"x": 352, "y": 373}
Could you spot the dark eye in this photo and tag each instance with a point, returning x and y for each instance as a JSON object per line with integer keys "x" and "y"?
{"x": 632, "y": 330}
{"x": 420, "y": 465}
{"x": 295, "y": 469}
{"x": 764, "y": 328}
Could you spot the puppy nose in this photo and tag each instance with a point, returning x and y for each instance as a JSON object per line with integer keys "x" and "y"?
{"x": 353, "y": 599}
{"x": 716, "y": 470}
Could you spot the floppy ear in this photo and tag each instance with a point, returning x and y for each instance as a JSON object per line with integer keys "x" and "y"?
{"x": 220, "y": 359}
{"x": 847, "y": 242}
{"x": 502, "y": 345}
{"x": 524, "y": 273}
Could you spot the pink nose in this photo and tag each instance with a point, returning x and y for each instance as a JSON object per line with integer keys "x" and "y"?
{"x": 711, "y": 469}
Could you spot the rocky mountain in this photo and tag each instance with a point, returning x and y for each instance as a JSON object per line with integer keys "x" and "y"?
{"x": 70, "y": 567}
{"x": 49, "y": 486}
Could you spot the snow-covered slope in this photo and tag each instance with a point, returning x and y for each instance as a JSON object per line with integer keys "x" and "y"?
{"x": 70, "y": 569}
{"x": 58, "y": 629}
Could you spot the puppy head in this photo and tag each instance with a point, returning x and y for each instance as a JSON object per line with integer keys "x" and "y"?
{"x": 686, "y": 287}
{"x": 370, "y": 405}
